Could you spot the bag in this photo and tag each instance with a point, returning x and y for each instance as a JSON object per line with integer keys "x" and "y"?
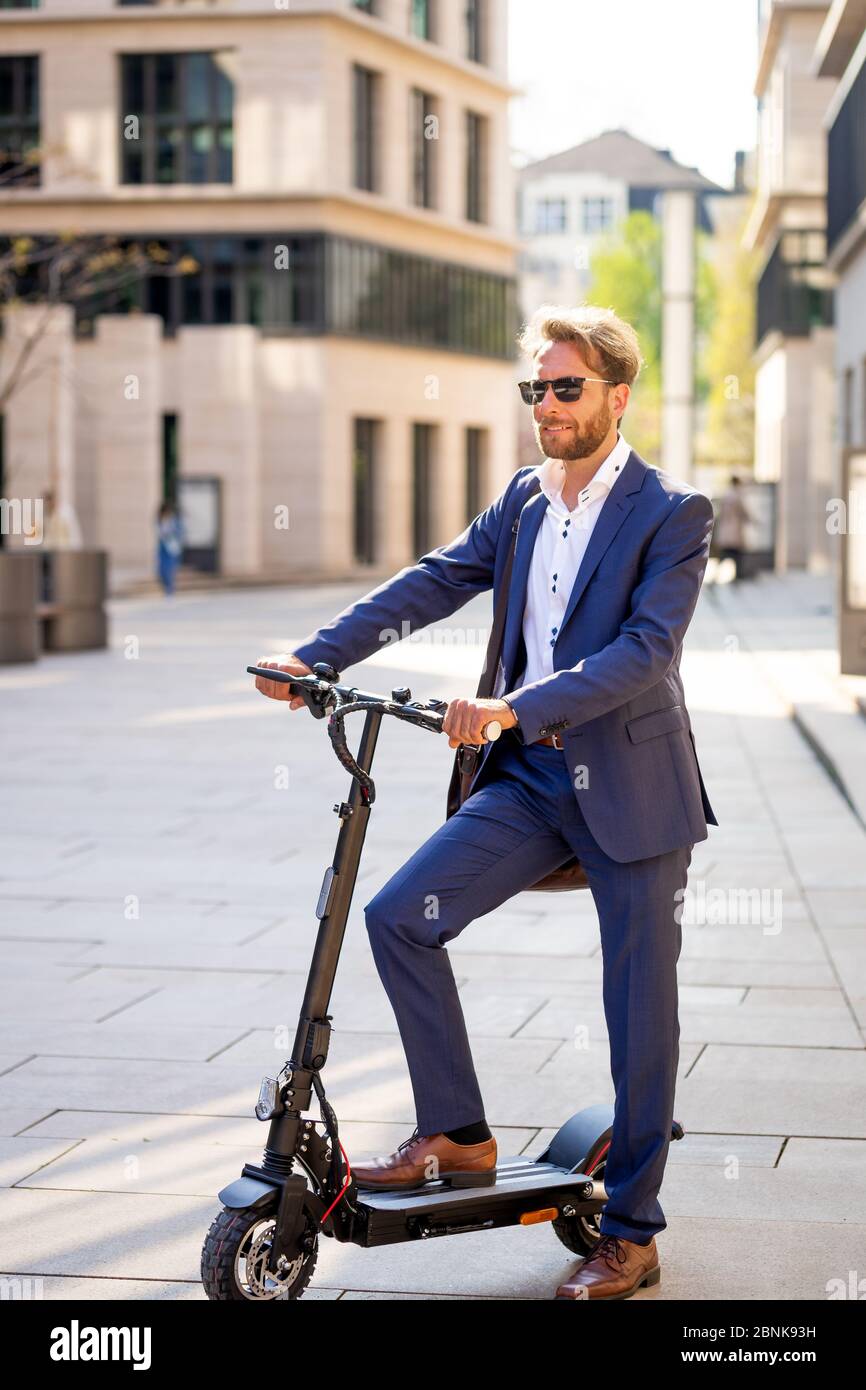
{"x": 571, "y": 873}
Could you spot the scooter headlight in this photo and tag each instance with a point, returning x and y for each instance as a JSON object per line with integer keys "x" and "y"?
{"x": 266, "y": 1105}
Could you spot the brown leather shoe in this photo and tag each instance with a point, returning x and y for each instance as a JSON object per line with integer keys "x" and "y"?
{"x": 426, "y": 1158}
{"x": 616, "y": 1268}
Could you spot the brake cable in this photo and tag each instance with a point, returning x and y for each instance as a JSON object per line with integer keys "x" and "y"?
{"x": 411, "y": 713}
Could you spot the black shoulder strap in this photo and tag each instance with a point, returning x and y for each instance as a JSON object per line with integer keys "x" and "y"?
{"x": 497, "y": 632}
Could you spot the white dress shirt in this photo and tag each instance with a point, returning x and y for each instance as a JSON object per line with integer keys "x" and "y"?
{"x": 560, "y": 546}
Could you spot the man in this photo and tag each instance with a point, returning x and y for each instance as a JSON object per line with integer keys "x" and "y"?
{"x": 597, "y": 760}
{"x": 733, "y": 518}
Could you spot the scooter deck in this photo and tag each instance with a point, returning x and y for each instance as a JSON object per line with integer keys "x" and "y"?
{"x": 435, "y": 1208}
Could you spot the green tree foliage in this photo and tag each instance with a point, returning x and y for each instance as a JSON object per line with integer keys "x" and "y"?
{"x": 626, "y": 276}
{"x": 728, "y": 361}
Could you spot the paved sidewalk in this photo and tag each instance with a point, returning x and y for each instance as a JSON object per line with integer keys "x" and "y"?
{"x": 790, "y": 625}
{"x": 157, "y": 889}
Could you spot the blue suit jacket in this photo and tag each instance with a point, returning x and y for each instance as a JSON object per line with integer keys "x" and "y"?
{"x": 615, "y": 693}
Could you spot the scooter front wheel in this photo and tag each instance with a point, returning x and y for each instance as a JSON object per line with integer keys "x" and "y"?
{"x": 234, "y": 1258}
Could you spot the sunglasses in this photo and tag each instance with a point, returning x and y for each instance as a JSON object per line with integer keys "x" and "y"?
{"x": 565, "y": 388}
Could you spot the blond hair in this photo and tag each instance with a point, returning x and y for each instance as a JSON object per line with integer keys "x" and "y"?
{"x": 609, "y": 344}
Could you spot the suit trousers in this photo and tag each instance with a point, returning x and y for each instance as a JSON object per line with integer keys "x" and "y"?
{"x": 521, "y": 821}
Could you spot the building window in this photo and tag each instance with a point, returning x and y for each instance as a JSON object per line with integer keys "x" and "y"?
{"x": 475, "y": 36}
{"x": 421, "y": 19}
{"x": 597, "y": 214}
{"x": 422, "y": 487}
{"x": 551, "y": 215}
{"x": 176, "y": 118}
{"x": 364, "y": 491}
{"x": 169, "y": 458}
{"x": 476, "y": 167}
{"x": 475, "y": 440}
{"x": 364, "y": 103}
{"x": 423, "y": 148}
{"x": 19, "y": 120}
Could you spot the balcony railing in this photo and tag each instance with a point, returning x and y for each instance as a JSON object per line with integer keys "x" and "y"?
{"x": 794, "y": 292}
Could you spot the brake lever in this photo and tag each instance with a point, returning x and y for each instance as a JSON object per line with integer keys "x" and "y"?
{"x": 314, "y": 697}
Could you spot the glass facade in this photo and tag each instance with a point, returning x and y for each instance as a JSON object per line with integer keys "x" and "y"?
{"x": 846, "y": 161}
{"x": 302, "y": 283}
{"x": 273, "y": 282}
{"x": 176, "y": 121}
{"x": 19, "y": 120}
{"x": 399, "y": 297}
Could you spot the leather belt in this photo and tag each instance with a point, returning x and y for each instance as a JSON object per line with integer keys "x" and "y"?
{"x": 552, "y": 741}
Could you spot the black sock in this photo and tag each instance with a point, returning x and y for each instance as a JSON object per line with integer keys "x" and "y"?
{"x": 469, "y": 1134}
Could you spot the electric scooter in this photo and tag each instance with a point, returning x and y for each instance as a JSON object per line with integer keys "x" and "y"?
{"x": 263, "y": 1244}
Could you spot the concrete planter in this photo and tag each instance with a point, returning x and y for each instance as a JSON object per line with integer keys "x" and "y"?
{"x": 19, "y": 592}
{"x": 74, "y": 586}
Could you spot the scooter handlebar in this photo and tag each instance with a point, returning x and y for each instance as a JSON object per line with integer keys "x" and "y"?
{"x": 322, "y": 696}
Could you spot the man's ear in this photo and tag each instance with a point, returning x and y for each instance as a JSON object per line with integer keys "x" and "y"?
{"x": 621, "y": 393}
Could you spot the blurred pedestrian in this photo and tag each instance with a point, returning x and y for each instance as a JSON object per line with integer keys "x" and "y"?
{"x": 169, "y": 545}
{"x": 732, "y": 518}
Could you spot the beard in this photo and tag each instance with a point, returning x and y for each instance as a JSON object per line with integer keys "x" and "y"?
{"x": 572, "y": 444}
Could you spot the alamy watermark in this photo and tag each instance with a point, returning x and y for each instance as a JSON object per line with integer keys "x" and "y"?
{"x": 22, "y": 516}
{"x": 737, "y": 907}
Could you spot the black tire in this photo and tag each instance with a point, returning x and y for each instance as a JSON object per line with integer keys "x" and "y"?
{"x": 227, "y": 1275}
{"x": 581, "y": 1234}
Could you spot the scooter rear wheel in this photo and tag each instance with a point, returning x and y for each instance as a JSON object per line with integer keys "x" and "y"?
{"x": 580, "y": 1234}
{"x": 235, "y": 1255}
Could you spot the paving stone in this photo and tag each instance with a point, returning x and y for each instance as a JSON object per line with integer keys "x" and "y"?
{"x": 776, "y": 1090}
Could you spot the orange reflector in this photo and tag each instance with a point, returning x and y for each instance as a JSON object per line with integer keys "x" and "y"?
{"x": 531, "y": 1218}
